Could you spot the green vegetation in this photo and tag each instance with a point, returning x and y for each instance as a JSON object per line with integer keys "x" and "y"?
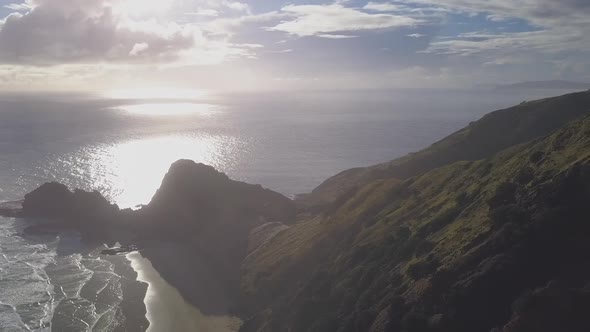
{"x": 450, "y": 249}
{"x": 481, "y": 139}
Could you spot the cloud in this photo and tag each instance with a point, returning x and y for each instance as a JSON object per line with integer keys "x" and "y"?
{"x": 230, "y": 25}
{"x": 204, "y": 12}
{"x": 239, "y": 6}
{"x": 289, "y": 50}
{"x": 335, "y": 36}
{"x": 543, "y": 13}
{"x": 217, "y": 6}
{"x": 18, "y": 6}
{"x": 139, "y": 48}
{"x": 66, "y": 31}
{"x": 325, "y": 20}
{"x": 496, "y": 18}
{"x": 555, "y": 28}
{"x": 416, "y": 35}
{"x": 383, "y": 7}
{"x": 546, "y": 41}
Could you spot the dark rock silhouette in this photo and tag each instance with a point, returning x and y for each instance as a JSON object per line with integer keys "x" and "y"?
{"x": 551, "y": 308}
{"x": 210, "y": 217}
{"x": 205, "y": 215}
{"x": 195, "y": 198}
{"x": 52, "y": 200}
{"x": 88, "y": 212}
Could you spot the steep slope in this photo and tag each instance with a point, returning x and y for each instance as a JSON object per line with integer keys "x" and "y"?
{"x": 481, "y": 139}
{"x": 206, "y": 218}
{"x": 472, "y": 246}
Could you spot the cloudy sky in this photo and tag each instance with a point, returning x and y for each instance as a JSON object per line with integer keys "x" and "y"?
{"x": 101, "y": 45}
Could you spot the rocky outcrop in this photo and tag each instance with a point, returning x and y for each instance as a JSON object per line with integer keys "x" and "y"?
{"x": 211, "y": 216}
{"x": 196, "y": 197}
{"x": 55, "y": 200}
{"x": 198, "y": 214}
{"x": 88, "y": 212}
{"x": 194, "y": 201}
{"x": 203, "y": 207}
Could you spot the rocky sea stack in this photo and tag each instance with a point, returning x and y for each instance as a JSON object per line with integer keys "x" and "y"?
{"x": 197, "y": 216}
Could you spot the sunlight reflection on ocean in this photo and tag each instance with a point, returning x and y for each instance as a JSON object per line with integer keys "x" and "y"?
{"x": 172, "y": 109}
{"x": 288, "y": 143}
{"x": 129, "y": 173}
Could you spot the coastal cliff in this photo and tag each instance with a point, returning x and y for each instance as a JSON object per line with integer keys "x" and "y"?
{"x": 484, "y": 230}
{"x": 452, "y": 250}
{"x": 499, "y": 243}
{"x": 491, "y": 134}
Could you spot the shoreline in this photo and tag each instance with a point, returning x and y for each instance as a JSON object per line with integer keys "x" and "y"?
{"x": 132, "y": 306}
{"x": 167, "y": 310}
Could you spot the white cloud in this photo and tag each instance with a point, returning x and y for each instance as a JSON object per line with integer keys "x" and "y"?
{"x": 61, "y": 31}
{"x": 383, "y": 7}
{"x": 547, "y": 41}
{"x": 239, "y": 6}
{"x": 543, "y": 13}
{"x": 281, "y": 51}
{"x": 53, "y": 32}
{"x": 204, "y": 12}
{"x": 556, "y": 28}
{"x": 217, "y": 5}
{"x": 324, "y": 20}
{"x": 229, "y": 25}
{"x": 335, "y": 36}
{"x": 416, "y": 35}
{"x": 18, "y": 6}
{"x": 497, "y": 18}
{"x": 139, "y": 48}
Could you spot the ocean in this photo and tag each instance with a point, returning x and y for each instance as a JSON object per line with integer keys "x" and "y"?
{"x": 288, "y": 142}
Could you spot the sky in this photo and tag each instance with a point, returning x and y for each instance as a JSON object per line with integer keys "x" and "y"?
{"x": 177, "y": 45}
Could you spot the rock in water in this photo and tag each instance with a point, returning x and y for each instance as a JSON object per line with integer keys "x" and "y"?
{"x": 88, "y": 212}
{"x": 192, "y": 191}
{"x": 51, "y": 200}
{"x": 209, "y": 216}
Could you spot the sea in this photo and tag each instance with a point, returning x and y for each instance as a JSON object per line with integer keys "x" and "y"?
{"x": 121, "y": 146}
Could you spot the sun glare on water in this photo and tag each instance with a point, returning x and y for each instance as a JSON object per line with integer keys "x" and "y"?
{"x": 165, "y": 109}
{"x": 131, "y": 171}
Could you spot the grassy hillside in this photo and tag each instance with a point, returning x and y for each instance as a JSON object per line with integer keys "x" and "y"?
{"x": 481, "y": 139}
{"x": 500, "y": 242}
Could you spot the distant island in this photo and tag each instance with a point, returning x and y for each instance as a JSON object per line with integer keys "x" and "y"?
{"x": 485, "y": 230}
{"x": 544, "y": 85}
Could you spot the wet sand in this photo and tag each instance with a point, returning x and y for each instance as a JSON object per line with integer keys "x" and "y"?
{"x": 133, "y": 307}
{"x": 167, "y": 310}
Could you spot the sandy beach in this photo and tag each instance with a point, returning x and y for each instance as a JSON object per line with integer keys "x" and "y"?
{"x": 167, "y": 310}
